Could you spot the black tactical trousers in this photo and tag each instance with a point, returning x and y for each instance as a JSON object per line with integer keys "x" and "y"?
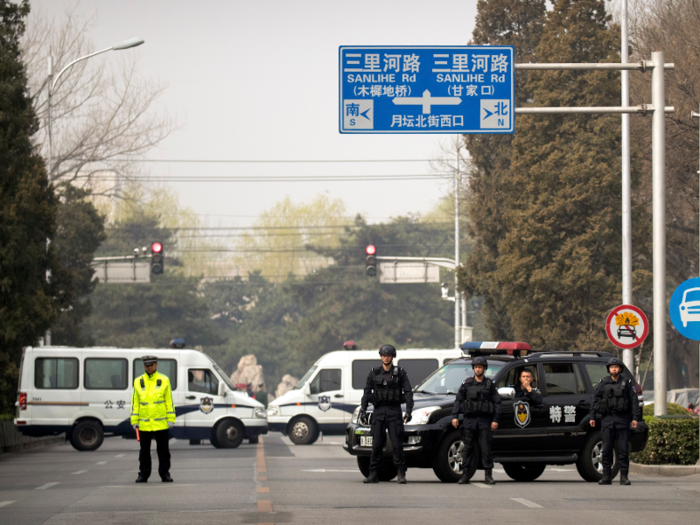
{"x": 470, "y": 436}
{"x": 618, "y": 437}
{"x": 380, "y": 425}
{"x": 161, "y": 437}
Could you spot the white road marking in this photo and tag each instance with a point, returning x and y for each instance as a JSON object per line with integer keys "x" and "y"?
{"x": 79, "y": 472}
{"x": 527, "y": 503}
{"x": 120, "y": 455}
{"x": 47, "y": 486}
{"x": 6, "y": 503}
{"x": 101, "y": 462}
{"x": 482, "y": 486}
{"x": 322, "y": 470}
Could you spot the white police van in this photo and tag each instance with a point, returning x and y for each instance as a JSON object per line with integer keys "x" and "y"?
{"x": 86, "y": 393}
{"x": 331, "y": 390}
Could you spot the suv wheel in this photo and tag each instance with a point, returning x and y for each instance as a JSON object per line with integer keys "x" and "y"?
{"x": 590, "y": 461}
{"x": 387, "y": 471}
{"x": 524, "y": 471}
{"x": 303, "y": 431}
{"x": 447, "y": 461}
{"x": 87, "y": 435}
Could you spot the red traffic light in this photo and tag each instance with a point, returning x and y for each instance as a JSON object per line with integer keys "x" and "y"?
{"x": 156, "y": 247}
{"x": 371, "y": 249}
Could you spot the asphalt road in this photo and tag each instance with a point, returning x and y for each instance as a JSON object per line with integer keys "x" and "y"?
{"x": 277, "y": 482}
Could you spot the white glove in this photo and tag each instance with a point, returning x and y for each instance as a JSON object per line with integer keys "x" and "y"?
{"x": 136, "y": 427}
{"x": 171, "y": 424}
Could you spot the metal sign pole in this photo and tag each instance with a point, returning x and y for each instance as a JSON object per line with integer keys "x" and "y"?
{"x": 628, "y": 354}
{"x": 458, "y": 341}
{"x": 658, "y": 176}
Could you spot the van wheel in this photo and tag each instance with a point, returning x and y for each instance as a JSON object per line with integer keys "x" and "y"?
{"x": 590, "y": 461}
{"x": 447, "y": 461}
{"x": 229, "y": 434}
{"x": 254, "y": 440}
{"x": 303, "y": 431}
{"x": 524, "y": 471}
{"x": 87, "y": 435}
{"x": 387, "y": 471}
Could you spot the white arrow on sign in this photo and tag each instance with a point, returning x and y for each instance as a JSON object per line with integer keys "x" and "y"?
{"x": 426, "y": 101}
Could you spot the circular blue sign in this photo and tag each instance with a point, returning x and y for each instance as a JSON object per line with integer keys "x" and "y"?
{"x": 684, "y": 309}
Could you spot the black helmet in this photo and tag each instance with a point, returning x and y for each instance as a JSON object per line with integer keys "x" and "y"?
{"x": 480, "y": 361}
{"x": 387, "y": 350}
{"x": 614, "y": 361}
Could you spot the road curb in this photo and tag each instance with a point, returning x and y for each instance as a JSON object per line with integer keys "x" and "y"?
{"x": 665, "y": 470}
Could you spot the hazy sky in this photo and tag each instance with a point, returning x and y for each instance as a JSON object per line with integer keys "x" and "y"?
{"x": 258, "y": 80}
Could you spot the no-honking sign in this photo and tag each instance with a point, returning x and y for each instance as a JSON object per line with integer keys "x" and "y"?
{"x": 627, "y": 326}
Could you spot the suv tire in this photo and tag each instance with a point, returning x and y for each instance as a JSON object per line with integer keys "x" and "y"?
{"x": 87, "y": 435}
{"x": 589, "y": 464}
{"x": 303, "y": 431}
{"x": 387, "y": 471}
{"x": 524, "y": 471}
{"x": 448, "y": 458}
{"x": 229, "y": 434}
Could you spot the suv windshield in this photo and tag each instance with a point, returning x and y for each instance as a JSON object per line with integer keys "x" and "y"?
{"x": 447, "y": 379}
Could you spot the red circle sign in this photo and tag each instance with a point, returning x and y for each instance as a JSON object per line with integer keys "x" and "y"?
{"x": 627, "y": 326}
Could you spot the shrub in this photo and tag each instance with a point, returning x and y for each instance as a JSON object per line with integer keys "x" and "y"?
{"x": 671, "y": 409}
{"x": 671, "y": 442}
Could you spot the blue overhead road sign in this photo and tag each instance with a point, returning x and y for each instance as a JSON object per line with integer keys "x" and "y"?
{"x": 447, "y": 89}
{"x": 684, "y": 308}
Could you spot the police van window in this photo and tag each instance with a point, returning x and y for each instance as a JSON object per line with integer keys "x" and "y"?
{"x": 360, "y": 371}
{"x": 106, "y": 374}
{"x": 512, "y": 377}
{"x": 202, "y": 380}
{"x": 56, "y": 372}
{"x": 418, "y": 369}
{"x": 562, "y": 380}
{"x": 305, "y": 378}
{"x": 327, "y": 380}
{"x": 166, "y": 367}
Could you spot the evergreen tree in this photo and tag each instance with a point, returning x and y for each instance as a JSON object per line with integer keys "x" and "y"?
{"x": 516, "y": 23}
{"x": 27, "y": 211}
{"x": 559, "y": 262}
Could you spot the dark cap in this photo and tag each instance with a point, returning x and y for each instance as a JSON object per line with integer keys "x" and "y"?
{"x": 149, "y": 359}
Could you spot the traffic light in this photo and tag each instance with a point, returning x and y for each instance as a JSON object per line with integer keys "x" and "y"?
{"x": 157, "y": 260}
{"x": 371, "y": 260}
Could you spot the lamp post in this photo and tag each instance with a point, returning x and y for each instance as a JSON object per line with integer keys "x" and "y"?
{"x": 126, "y": 44}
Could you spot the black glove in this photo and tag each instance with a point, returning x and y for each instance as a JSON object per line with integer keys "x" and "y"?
{"x": 407, "y": 417}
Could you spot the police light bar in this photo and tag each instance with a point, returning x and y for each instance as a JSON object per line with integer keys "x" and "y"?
{"x": 371, "y": 249}
{"x": 496, "y": 347}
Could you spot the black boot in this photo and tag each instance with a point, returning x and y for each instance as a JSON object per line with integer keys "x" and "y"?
{"x": 488, "y": 478}
{"x": 464, "y": 480}
{"x": 372, "y": 478}
{"x": 166, "y": 478}
{"x": 624, "y": 480}
{"x": 607, "y": 477}
{"x": 141, "y": 479}
{"x": 402, "y": 477}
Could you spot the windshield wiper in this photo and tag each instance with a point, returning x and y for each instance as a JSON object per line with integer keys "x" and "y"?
{"x": 424, "y": 392}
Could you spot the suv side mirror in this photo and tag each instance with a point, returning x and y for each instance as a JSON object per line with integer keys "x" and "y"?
{"x": 506, "y": 392}
{"x": 222, "y": 389}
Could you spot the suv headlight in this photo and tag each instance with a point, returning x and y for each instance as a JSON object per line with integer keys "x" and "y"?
{"x": 422, "y": 415}
{"x": 356, "y": 416}
{"x": 273, "y": 411}
{"x": 260, "y": 412}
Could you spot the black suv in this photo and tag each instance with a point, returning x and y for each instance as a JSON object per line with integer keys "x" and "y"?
{"x": 528, "y": 437}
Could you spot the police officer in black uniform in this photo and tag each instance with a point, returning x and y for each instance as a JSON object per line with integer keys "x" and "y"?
{"x": 525, "y": 390}
{"x": 478, "y": 399}
{"x": 387, "y": 387}
{"x": 617, "y": 404}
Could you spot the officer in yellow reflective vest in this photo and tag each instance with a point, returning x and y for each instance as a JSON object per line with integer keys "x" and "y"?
{"x": 153, "y": 415}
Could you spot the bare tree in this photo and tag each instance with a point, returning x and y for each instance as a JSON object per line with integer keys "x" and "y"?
{"x": 105, "y": 115}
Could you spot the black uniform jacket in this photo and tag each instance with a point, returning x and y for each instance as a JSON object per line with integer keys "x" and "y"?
{"x": 379, "y": 407}
{"x": 534, "y": 397}
{"x": 493, "y": 396}
{"x": 617, "y": 419}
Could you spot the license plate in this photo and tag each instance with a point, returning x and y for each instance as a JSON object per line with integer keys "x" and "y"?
{"x": 365, "y": 441}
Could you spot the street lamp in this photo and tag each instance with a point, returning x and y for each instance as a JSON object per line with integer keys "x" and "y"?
{"x": 126, "y": 44}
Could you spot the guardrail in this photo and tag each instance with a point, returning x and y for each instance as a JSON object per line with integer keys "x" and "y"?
{"x": 12, "y": 441}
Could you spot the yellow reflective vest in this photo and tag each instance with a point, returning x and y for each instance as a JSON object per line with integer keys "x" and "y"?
{"x": 152, "y": 403}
